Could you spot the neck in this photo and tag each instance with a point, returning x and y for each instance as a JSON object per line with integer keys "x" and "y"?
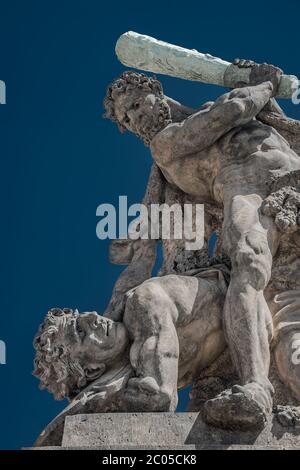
{"x": 179, "y": 112}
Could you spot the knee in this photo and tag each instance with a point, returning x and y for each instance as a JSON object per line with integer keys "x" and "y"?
{"x": 252, "y": 260}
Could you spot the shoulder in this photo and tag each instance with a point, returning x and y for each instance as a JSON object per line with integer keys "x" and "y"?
{"x": 162, "y": 144}
{"x": 163, "y": 138}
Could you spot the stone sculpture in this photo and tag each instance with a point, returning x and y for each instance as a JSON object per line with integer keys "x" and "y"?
{"x": 209, "y": 277}
{"x": 222, "y": 154}
{"x": 238, "y": 156}
{"x": 146, "y": 53}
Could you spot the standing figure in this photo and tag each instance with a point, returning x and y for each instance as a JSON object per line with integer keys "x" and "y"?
{"x": 222, "y": 153}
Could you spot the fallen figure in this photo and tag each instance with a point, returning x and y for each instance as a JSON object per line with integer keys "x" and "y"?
{"x": 196, "y": 295}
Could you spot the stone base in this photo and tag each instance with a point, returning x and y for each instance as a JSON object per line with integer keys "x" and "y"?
{"x": 167, "y": 431}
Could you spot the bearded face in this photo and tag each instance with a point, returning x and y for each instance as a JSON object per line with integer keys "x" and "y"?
{"x": 142, "y": 112}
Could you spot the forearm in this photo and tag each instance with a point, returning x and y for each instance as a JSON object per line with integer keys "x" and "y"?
{"x": 204, "y": 128}
{"x": 140, "y": 255}
{"x": 138, "y": 271}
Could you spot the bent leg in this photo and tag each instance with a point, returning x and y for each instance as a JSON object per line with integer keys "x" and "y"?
{"x": 245, "y": 313}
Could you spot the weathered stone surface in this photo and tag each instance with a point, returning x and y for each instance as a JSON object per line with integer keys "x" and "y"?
{"x": 175, "y": 447}
{"x": 160, "y": 334}
{"x": 169, "y": 431}
{"x": 221, "y": 153}
{"x": 189, "y": 447}
{"x": 146, "y": 53}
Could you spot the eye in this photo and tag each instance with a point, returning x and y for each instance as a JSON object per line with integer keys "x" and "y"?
{"x": 80, "y": 331}
{"x": 136, "y": 105}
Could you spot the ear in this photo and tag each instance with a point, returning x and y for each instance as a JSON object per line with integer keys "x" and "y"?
{"x": 93, "y": 373}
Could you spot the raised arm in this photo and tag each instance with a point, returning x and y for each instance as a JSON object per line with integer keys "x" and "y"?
{"x": 138, "y": 271}
{"x": 140, "y": 255}
{"x": 202, "y": 129}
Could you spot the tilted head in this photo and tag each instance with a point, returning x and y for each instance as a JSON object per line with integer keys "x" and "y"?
{"x": 137, "y": 103}
{"x": 74, "y": 349}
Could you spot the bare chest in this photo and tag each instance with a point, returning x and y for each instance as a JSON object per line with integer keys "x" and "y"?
{"x": 195, "y": 174}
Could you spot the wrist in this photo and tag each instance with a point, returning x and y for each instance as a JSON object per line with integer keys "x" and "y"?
{"x": 267, "y": 85}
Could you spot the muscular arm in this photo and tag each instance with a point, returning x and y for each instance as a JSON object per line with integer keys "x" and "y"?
{"x": 138, "y": 271}
{"x": 140, "y": 255}
{"x": 204, "y": 128}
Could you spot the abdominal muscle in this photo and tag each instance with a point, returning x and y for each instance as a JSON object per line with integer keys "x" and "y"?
{"x": 252, "y": 155}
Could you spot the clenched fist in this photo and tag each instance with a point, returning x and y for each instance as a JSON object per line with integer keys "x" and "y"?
{"x": 261, "y": 73}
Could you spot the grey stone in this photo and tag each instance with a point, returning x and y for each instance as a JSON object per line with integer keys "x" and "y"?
{"x": 223, "y": 154}
{"x": 168, "y": 431}
{"x": 160, "y": 334}
{"x": 146, "y": 53}
{"x": 186, "y": 447}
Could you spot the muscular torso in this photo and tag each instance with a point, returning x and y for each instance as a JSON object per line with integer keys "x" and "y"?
{"x": 244, "y": 158}
{"x": 195, "y": 305}
{"x": 251, "y": 155}
{"x": 224, "y": 149}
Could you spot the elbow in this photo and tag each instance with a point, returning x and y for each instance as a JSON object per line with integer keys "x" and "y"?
{"x": 232, "y": 113}
{"x": 232, "y": 106}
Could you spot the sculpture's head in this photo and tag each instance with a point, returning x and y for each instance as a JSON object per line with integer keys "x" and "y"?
{"x": 74, "y": 349}
{"x": 137, "y": 103}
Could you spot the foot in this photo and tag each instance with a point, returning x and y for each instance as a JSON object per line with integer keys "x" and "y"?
{"x": 288, "y": 416}
{"x": 144, "y": 394}
{"x": 261, "y": 73}
{"x": 144, "y": 384}
{"x": 243, "y": 407}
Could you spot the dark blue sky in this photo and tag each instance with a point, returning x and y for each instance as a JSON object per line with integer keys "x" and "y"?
{"x": 60, "y": 159}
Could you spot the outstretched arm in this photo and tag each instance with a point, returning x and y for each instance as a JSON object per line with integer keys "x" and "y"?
{"x": 140, "y": 255}
{"x": 138, "y": 271}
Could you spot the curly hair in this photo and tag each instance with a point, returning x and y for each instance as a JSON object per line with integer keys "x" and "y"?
{"x": 52, "y": 365}
{"x": 129, "y": 81}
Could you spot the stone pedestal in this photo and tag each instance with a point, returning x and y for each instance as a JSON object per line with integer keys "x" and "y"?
{"x": 167, "y": 431}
